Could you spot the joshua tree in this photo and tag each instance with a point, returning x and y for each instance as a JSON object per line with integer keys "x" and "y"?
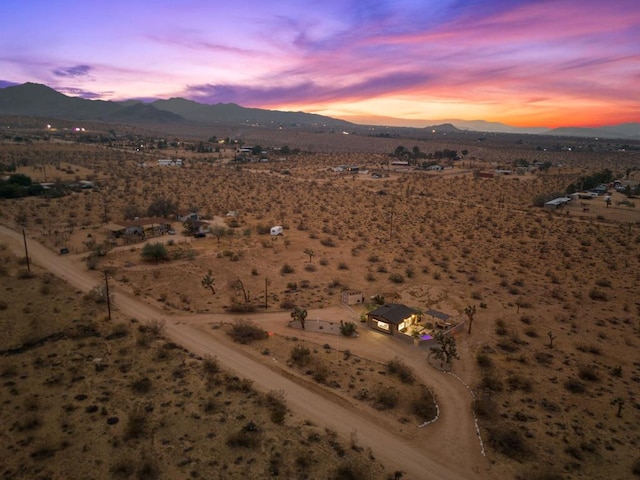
{"x": 470, "y": 311}
{"x": 299, "y": 314}
{"x": 619, "y": 401}
{"x": 445, "y": 348}
{"x": 311, "y": 253}
{"x": 209, "y": 282}
{"x": 552, "y": 337}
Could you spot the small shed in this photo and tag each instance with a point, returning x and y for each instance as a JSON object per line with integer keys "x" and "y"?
{"x": 392, "y": 318}
{"x": 556, "y": 203}
{"x": 276, "y": 230}
{"x": 352, "y": 297}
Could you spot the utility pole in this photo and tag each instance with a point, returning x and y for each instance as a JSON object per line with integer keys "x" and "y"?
{"x": 266, "y": 299}
{"x": 106, "y": 284}
{"x": 26, "y": 251}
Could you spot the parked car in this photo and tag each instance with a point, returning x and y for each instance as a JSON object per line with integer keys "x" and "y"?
{"x": 171, "y": 232}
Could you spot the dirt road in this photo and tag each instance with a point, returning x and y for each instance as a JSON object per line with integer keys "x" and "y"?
{"x": 446, "y": 449}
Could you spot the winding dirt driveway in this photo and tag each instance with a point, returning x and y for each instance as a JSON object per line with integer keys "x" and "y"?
{"x": 447, "y": 449}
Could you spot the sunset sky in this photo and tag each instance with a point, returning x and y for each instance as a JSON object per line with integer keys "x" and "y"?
{"x": 525, "y": 63}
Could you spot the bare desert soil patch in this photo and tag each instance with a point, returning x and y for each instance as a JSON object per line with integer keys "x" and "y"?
{"x": 552, "y": 358}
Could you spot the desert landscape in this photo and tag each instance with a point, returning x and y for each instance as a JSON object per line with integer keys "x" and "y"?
{"x": 192, "y": 366}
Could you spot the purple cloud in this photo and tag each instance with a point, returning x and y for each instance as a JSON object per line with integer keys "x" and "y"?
{"x": 7, "y": 83}
{"x": 73, "y": 72}
{"x": 79, "y": 92}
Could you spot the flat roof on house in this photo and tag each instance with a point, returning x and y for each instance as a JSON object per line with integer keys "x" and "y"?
{"x": 438, "y": 315}
{"x": 394, "y": 313}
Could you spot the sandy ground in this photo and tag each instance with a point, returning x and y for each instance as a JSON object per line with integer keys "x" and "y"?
{"x": 448, "y": 448}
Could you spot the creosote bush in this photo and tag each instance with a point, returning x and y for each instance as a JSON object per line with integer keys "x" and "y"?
{"x": 400, "y": 369}
{"x": 245, "y": 331}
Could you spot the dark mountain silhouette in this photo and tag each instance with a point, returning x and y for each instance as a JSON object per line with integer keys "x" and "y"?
{"x": 230, "y": 113}
{"x": 35, "y": 100}
{"x": 629, "y": 131}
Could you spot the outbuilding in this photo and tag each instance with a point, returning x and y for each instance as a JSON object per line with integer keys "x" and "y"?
{"x": 276, "y": 230}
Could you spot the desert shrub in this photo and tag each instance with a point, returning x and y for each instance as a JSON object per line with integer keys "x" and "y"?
{"x": 352, "y": 469}
{"x": 328, "y": 242}
{"x": 343, "y": 266}
{"x": 210, "y": 365}
{"x": 635, "y": 469}
{"x": 543, "y": 358}
{"x": 603, "y": 282}
{"x": 287, "y": 304}
{"x": 3, "y": 305}
{"x": 484, "y": 360}
{"x": 237, "y": 307}
{"x": 574, "y": 385}
{"x": 245, "y": 331}
{"x": 518, "y": 382}
{"x": 485, "y": 407}
{"x": 148, "y": 470}
{"x": 237, "y": 384}
{"x": 348, "y": 329}
{"x": 509, "y": 442}
{"x": 320, "y": 372}
{"x": 531, "y": 332}
{"x": 424, "y": 406}
{"x": 501, "y": 327}
{"x": 119, "y": 330}
{"x": 300, "y": 355}
{"x": 122, "y": 468}
{"x": 286, "y": 269}
{"x": 491, "y": 382}
{"x": 262, "y": 229}
{"x": 310, "y": 267}
{"x": 277, "y": 406}
{"x": 396, "y": 278}
{"x": 155, "y": 252}
{"x": 324, "y": 262}
{"x": 589, "y": 348}
{"x": 136, "y": 425}
{"x": 598, "y": 295}
{"x": 588, "y": 373}
{"x": 97, "y": 294}
{"x": 142, "y": 385}
{"x": 154, "y": 328}
{"x": 401, "y": 370}
{"x": 385, "y": 398}
{"x": 247, "y": 437}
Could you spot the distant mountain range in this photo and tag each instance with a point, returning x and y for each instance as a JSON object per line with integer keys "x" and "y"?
{"x": 36, "y": 100}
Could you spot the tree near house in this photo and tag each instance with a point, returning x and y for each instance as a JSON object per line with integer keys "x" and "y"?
{"x": 154, "y": 252}
{"x": 209, "y": 282}
{"x": 300, "y": 315}
{"x": 445, "y": 349}
{"x": 162, "y": 207}
{"x": 218, "y": 232}
{"x": 310, "y": 252}
{"x": 470, "y": 311}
